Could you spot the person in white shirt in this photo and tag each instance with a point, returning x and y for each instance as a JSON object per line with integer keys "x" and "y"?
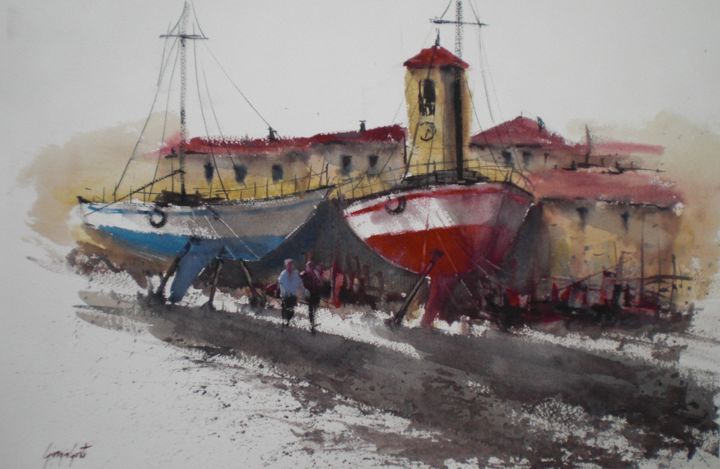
{"x": 290, "y": 285}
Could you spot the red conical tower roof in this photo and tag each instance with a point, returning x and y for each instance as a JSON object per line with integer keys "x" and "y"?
{"x": 435, "y": 56}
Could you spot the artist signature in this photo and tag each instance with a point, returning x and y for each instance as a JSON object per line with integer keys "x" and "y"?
{"x": 76, "y": 452}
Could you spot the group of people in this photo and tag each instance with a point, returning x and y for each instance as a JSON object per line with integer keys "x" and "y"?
{"x": 294, "y": 284}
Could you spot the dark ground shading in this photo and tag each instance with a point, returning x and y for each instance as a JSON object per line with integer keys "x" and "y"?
{"x": 493, "y": 396}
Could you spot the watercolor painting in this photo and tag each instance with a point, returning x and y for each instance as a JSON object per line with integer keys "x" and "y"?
{"x": 436, "y": 233}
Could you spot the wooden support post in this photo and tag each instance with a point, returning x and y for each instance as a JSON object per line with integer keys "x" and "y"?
{"x": 672, "y": 285}
{"x": 213, "y": 288}
{"x": 397, "y": 318}
{"x": 257, "y": 300}
{"x": 159, "y": 294}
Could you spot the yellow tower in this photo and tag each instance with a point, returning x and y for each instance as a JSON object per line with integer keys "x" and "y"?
{"x": 438, "y": 102}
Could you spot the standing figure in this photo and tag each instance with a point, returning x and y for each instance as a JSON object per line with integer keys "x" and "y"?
{"x": 290, "y": 284}
{"x": 312, "y": 280}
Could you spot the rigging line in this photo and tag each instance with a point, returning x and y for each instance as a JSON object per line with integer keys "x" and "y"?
{"x": 93, "y": 210}
{"x": 225, "y": 246}
{"x": 220, "y": 219}
{"x": 492, "y": 81}
{"x": 217, "y": 121}
{"x": 219, "y": 237}
{"x": 167, "y": 105}
{"x": 162, "y": 59}
{"x": 367, "y": 174}
{"x": 165, "y": 60}
{"x": 247, "y": 100}
{"x": 397, "y": 111}
{"x": 387, "y": 161}
{"x": 484, "y": 79}
{"x": 485, "y": 65}
{"x": 446, "y": 9}
{"x": 202, "y": 113}
{"x": 142, "y": 132}
{"x": 222, "y": 136}
{"x": 477, "y": 118}
{"x": 197, "y": 21}
{"x": 382, "y": 169}
{"x": 480, "y": 61}
{"x": 177, "y": 23}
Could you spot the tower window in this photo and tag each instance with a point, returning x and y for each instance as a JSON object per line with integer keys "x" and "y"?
{"x": 277, "y": 172}
{"x": 346, "y": 167}
{"x": 240, "y": 173}
{"x": 426, "y": 97}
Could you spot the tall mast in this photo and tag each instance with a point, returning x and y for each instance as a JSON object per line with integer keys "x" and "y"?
{"x": 459, "y": 150}
{"x": 458, "y": 84}
{"x": 458, "y": 28}
{"x": 183, "y": 91}
{"x": 184, "y": 37}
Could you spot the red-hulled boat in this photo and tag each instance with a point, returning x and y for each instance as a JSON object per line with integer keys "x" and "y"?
{"x": 446, "y": 214}
{"x": 472, "y": 225}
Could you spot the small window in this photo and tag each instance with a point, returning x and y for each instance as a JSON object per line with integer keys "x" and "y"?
{"x": 625, "y": 217}
{"x": 346, "y": 165}
{"x": 426, "y": 97}
{"x": 240, "y": 173}
{"x": 373, "y": 163}
{"x": 507, "y": 158}
{"x": 277, "y": 172}
{"x": 209, "y": 171}
{"x": 527, "y": 158}
{"x": 582, "y": 214}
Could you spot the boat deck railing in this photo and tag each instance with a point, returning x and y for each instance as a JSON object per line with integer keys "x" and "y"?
{"x": 266, "y": 189}
{"x": 347, "y": 187}
{"x": 430, "y": 173}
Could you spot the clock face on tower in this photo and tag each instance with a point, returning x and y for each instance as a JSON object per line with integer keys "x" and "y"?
{"x": 426, "y": 131}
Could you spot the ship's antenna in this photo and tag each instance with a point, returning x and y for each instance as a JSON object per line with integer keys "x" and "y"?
{"x": 458, "y": 28}
{"x": 184, "y": 37}
{"x": 459, "y": 23}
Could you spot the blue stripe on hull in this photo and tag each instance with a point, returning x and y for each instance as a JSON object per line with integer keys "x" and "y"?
{"x": 169, "y": 245}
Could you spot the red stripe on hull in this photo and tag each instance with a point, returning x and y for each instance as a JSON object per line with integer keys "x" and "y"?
{"x": 464, "y": 247}
{"x": 463, "y": 192}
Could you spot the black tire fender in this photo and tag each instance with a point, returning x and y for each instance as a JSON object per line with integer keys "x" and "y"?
{"x": 395, "y": 206}
{"x": 157, "y": 218}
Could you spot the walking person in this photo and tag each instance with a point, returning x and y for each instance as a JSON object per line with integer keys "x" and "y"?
{"x": 312, "y": 280}
{"x": 290, "y": 284}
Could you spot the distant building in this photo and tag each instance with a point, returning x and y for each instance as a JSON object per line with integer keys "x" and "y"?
{"x": 527, "y": 144}
{"x": 256, "y": 168}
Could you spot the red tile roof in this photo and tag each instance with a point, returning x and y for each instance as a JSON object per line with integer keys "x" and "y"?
{"x": 520, "y": 131}
{"x": 526, "y": 132}
{"x": 219, "y": 146}
{"x": 628, "y": 187}
{"x": 435, "y": 56}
